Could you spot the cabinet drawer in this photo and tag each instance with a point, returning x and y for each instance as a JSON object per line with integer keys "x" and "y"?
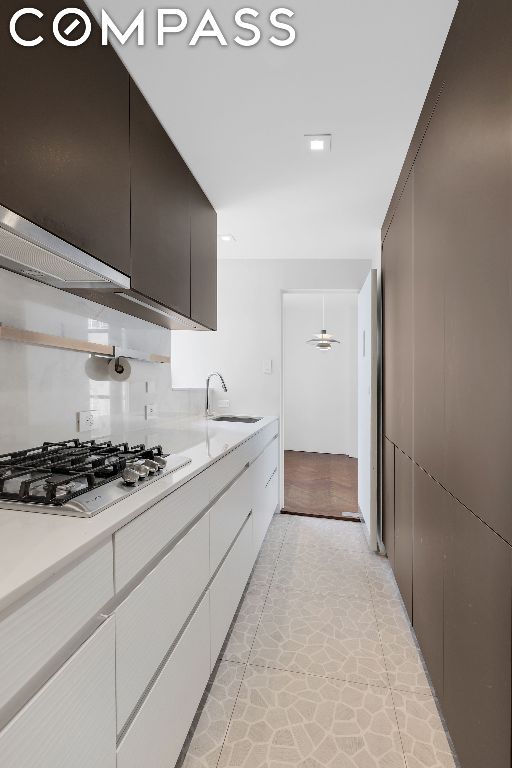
{"x": 270, "y": 460}
{"x": 70, "y": 723}
{"x": 141, "y": 540}
{"x": 262, "y": 438}
{"x": 32, "y": 634}
{"x": 227, "y": 588}
{"x": 264, "y": 510}
{"x": 226, "y": 469}
{"x": 227, "y": 517}
{"x": 156, "y": 736}
{"x": 149, "y": 620}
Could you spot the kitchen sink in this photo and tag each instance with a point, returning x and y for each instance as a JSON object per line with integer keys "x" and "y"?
{"x": 244, "y": 419}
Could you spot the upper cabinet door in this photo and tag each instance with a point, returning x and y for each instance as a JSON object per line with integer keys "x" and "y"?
{"x": 160, "y": 211}
{"x": 203, "y": 283}
{"x": 64, "y": 141}
{"x": 397, "y": 255}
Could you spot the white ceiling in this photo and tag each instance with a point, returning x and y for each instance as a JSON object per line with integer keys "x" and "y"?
{"x": 360, "y": 69}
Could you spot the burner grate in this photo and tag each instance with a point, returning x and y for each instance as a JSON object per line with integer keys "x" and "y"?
{"x": 55, "y": 473}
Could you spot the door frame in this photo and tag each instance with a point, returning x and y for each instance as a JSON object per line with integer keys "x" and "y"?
{"x": 285, "y": 291}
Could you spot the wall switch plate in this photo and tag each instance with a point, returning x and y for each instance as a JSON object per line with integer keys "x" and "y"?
{"x": 150, "y": 412}
{"x": 150, "y": 387}
{"x": 223, "y": 404}
{"x": 86, "y": 421}
{"x": 267, "y": 366}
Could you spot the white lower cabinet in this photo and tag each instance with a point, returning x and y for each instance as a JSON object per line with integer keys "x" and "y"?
{"x": 71, "y": 722}
{"x": 227, "y": 517}
{"x": 265, "y": 492}
{"x": 37, "y": 631}
{"x": 149, "y": 620}
{"x": 264, "y": 511}
{"x": 156, "y": 736}
{"x": 140, "y": 677}
{"x": 228, "y": 586}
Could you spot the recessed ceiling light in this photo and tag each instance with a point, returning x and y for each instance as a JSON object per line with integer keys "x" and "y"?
{"x": 227, "y": 238}
{"x": 320, "y": 142}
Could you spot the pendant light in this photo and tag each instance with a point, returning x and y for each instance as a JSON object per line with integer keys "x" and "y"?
{"x": 324, "y": 340}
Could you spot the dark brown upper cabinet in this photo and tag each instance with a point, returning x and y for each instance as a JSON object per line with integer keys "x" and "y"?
{"x": 474, "y": 186}
{"x": 431, "y": 506}
{"x": 402, "y": 566}
{"x": 64, "y": 137}
{"x": 388, "y": 500}
{"x": 203, "y": 258}
{"x": 160, "y": 225}
{"x": 397, "y": 257}
{"x": 478, "y": 625}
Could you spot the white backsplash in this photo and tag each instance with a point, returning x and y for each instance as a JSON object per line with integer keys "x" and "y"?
{"x": 41, "y": 390}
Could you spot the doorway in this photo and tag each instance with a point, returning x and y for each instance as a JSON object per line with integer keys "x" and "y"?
{"x": 328, "y": 405}
{"x": 320, "y": 404}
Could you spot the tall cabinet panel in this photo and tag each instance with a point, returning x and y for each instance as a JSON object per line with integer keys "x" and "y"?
{"x": 64, "y": 136}
{"x": 431, "y": 505}
{"x": 403, "y": 527}
{"x": 388, "y": 501}
{"x": 475, "y": 183}
{"x": 203, "y": 258}
{"x": 431, "y": 251}
{"x": 477, "y": 658}
{"x": 160, "y": 211}
{"x": 397, "y": 253}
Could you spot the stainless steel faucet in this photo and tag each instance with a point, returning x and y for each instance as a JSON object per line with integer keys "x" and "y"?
{"x": 207, "y": 405}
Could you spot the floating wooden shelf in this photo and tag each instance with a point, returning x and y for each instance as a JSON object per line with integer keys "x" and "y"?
{"x": 8, "y": 333}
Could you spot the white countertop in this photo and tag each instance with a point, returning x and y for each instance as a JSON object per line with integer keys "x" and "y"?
{"x": 35, "y": 546}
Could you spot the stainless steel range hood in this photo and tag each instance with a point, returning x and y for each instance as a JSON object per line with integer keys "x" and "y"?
{"x": 29, "y": 250}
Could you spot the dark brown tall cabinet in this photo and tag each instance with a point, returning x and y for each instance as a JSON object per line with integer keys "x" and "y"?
{"x": 447, "y": 361}
{"x": 398, "y": 317}
{"x": 64, "y": 137}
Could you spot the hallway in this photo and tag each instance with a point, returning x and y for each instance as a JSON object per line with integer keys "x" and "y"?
{"x": 321, "y": 667}
{"x": 320, "y": 484}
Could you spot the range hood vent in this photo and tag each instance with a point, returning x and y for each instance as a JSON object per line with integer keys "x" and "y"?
{"x": 29, "y": 250}
{"x": 34, "y": 261}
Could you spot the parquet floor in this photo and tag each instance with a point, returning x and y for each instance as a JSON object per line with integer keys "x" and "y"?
{"x": 320, "y": 484}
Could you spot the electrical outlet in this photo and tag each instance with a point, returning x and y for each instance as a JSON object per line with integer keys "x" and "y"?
{"x": 150, "y": 412}
{"x": 86, "y": 421}
{"x": 223, "y": 404}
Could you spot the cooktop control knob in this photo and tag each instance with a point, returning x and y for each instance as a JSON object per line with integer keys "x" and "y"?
{"x": 130, "y": 476}
{"x": 142, "y": 469}
{"x": 160, "y": 461}
{"x": 151, "y": 465}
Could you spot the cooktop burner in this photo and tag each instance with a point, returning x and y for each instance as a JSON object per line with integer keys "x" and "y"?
{"x": 52, "y": 477}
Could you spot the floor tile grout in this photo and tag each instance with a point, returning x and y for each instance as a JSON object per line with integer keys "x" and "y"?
{"x": 387, "y": 669}
{"x": 249, "y": 654}
{"x": 275, "y": 551}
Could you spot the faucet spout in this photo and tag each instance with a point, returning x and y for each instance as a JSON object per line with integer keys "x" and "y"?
{"x": 208, "y": 412}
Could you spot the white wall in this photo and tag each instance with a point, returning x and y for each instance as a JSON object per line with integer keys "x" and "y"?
{"x": 320, "y": 388}
{"x": 249, "y": 327}
{"x": 367, "y": 404}
{"x": 42, "y": 389}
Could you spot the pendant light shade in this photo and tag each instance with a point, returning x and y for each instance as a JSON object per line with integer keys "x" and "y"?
{"x": 323, "y": 340}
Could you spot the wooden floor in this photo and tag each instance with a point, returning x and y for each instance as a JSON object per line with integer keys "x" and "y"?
{"x": 320, "y": 484}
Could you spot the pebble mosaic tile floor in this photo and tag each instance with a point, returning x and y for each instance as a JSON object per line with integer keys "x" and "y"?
{"x": 321, "y": 668}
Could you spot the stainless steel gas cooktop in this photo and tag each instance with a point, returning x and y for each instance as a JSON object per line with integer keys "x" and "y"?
{"x": 78, "y": 478}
